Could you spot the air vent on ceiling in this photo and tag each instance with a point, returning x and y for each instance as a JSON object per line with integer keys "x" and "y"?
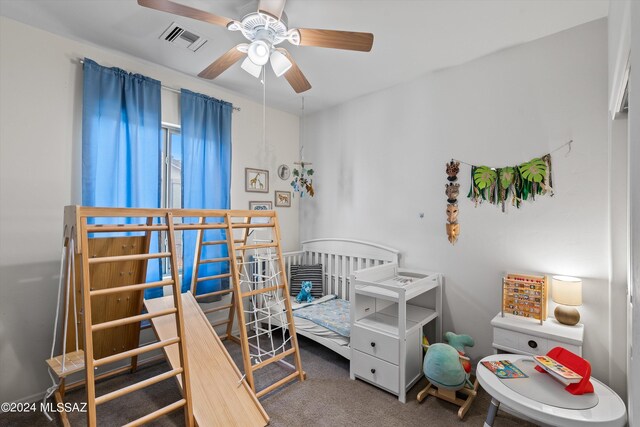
{"x": 177, "y": 35}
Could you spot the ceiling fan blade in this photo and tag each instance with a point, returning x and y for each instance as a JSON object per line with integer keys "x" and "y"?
{"x": 221, "y": 64}
{"x": 334, "y": 39}
{"x": 272, "y": 7}
{"x": 182, "y": 10}
{"x": 294, "y": 76}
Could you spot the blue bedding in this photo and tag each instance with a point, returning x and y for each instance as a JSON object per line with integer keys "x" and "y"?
{"x": 332, "y": 314}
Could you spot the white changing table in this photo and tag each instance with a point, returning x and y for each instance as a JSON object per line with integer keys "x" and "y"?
{"x": 390, "y": 308}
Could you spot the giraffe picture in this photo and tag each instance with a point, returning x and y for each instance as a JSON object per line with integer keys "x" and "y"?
{"x": 256, "y": 180}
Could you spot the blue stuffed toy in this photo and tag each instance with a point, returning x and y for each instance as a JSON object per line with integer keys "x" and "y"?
{"x": 305, "y": 292}
{"x": 443, "y": 365}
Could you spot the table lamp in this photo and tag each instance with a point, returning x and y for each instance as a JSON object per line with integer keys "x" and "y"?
{"x": 567, "y": 293}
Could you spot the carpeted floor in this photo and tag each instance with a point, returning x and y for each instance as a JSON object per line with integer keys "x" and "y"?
{"x": 327, "y": 398}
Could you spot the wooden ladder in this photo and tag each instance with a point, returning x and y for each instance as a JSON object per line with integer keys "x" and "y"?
{"x": 238, "y": 254}
{"x": 88, "y": 293}
{"x": 201, "y": 243}
{"x": 237, "y": 226}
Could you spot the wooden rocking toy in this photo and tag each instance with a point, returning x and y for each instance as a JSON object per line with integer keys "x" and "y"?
{"x": 447, "y": 370}
{"x": 452, "y": 396}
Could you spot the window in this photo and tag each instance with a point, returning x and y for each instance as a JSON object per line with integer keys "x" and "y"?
{"x": 171, "y": 186}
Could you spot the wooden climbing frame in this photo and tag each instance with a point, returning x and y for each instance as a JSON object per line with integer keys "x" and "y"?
{"x": 113, "y": 277}
{"x": 112, "y": 249}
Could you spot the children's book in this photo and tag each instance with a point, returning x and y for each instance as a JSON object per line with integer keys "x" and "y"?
{"x": 504, "y": 369}
{"x": 557, "y": 370}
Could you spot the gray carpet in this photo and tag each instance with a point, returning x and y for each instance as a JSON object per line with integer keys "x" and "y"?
{"x": 327, "y": 398}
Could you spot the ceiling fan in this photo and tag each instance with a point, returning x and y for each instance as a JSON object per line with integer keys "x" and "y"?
{"x": 265, "y": 30}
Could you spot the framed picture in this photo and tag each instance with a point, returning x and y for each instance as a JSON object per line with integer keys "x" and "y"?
{"x": 256, "y": 180}
{"x": 260, "y": 206}
{"x": 283, "y": 199}
{"x": 283, "y": 173}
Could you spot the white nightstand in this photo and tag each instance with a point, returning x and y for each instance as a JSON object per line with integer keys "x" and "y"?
{"x": 519, "y": 335}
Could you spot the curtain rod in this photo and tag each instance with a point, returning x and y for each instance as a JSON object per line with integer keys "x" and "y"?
{"x": 169, "y": 88}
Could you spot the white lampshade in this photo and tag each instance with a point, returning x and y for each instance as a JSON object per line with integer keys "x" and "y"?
{"x": 251, "y": 68}
{"x": 566, "y": 290}
{"x": 259, "y": 52}
{"x": 280, "y": 63}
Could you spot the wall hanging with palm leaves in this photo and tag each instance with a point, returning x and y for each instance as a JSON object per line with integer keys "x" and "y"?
{"x": 511, "y": 183}
{"x": 500, "y": 185}
{"x": 514, "y": 184}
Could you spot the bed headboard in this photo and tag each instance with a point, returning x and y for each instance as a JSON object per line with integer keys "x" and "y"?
{"x": 340, "y": 257}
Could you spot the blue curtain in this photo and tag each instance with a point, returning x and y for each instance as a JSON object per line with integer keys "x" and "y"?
{"x": 206, "y": 179}
{"x": 121, "y": 144}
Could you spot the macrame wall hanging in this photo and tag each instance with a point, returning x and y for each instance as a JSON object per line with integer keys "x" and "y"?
{"x": 500, "y": 185}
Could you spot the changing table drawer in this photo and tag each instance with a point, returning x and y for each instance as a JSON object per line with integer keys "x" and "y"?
{"x": 375, "y": 344}
{"x": 376, "y": 371}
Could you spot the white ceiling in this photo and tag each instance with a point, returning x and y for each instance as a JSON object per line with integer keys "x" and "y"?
{"x": 412, "y": 37}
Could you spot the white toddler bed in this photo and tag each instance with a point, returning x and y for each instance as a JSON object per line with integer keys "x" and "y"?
{"x": 339, "y": 258}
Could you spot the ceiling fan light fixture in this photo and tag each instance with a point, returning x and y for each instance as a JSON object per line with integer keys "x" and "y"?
{"x": 293, "y": 36}
{"x": 251, "y": 68}
{"x": 259, "y": 52}
{"x": 280, "y": 63}
{"x": 234, "y": 26}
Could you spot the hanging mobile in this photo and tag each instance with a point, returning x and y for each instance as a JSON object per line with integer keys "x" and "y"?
{"x": 302, "y": 174}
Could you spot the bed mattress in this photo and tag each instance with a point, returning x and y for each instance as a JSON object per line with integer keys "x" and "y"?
{"x": 308, "y": 326}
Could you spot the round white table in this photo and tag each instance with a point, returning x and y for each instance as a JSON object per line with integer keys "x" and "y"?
{"x": 610, "y": 410}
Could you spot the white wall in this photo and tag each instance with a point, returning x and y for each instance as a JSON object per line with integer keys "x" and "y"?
{"x": 619, "y": 33}
{"x": 380, "y": 161}
{"x": 619, "y": 246}
{"x": 40, "y": 166}
{"x": 634, "y": 212}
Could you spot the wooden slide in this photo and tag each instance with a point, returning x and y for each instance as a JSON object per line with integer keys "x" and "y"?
{"x": 219, "y": 394}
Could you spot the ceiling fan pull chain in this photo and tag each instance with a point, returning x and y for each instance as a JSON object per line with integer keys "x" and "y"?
{"x": 264, "y": 111}
{"x": 302, "y": 139}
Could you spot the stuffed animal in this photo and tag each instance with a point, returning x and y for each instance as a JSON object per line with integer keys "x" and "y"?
{"x": 448, "y": 371}
{"x": 443, "y": 365}
{"x": 459, "y": 342}
{"x": 305, "y": 292}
